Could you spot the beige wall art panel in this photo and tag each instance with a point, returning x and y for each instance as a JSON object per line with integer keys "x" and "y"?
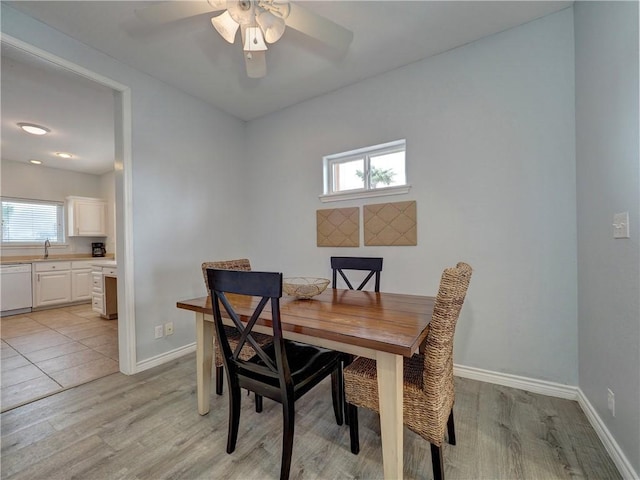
{"x": 338, "y": 227}
{"x": 393, "y": 224}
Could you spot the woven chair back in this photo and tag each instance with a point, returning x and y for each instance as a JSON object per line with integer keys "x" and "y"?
{"x": 241, "y": 264}
{"x": 438, "y": 353}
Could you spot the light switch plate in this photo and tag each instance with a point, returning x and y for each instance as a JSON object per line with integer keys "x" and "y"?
{"x": 621, "y": 225}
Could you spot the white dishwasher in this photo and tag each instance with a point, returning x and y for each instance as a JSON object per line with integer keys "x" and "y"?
{"x": 15, "y": 289}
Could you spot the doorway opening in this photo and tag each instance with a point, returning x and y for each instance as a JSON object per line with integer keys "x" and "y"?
{"x": 123, "y": 193}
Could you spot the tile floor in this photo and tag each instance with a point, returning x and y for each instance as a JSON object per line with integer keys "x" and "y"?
{"x": 50, "y": 350}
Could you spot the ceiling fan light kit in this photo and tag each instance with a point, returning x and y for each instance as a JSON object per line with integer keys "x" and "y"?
{"x": 242, "y": 11}
{"x": 272, "y": 26}
{"x": 226, "y": 26}
{"x": 259, "y": 21}
{"x": 253, "y": 40}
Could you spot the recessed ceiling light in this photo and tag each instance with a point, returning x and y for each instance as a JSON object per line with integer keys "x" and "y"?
{"x": 35, "y": 162}
{"x": 33, "y": 129}
{"x": 64, "y": 155}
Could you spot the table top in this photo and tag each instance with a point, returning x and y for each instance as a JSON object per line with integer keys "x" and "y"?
{"x": 388, "y": 322}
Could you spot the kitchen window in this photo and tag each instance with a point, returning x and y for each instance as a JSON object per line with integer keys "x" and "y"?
{"x": 365, "y": 172}
{"x": 27, "y": 221}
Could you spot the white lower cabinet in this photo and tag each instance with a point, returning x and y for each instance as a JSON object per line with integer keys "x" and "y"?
{"x": 97, "y": 295}
{"x": 58, "y": 282}
{"x": 81, "y": 281}
{"x": 51, "y": 283}
{"x": 97, "y": 303}
{"x": 104, "y": 299}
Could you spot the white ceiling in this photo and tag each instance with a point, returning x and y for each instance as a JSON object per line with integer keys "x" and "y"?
{"x": 78, "y": 111}
{"x": 190, "y": 55}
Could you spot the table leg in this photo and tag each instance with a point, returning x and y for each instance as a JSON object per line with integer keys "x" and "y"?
{"x": 204, "y": 362}
{"x": 390, "y": 386}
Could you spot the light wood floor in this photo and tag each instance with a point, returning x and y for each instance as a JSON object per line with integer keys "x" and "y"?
{"x": 47, "y": 351}
{"x": 147, "y": 427}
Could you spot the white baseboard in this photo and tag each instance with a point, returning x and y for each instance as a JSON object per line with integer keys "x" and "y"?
{"x": 164, "y": 357}
{"x": 561, "y": 391}
{"x": 618, "y": 457}
{"x": 523, "y": 383}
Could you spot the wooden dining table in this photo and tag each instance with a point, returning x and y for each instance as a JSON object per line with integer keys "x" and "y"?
{"x": 381, "y": 326}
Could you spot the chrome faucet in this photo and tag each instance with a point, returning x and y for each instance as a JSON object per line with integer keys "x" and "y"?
{"x": 47, "y": 244}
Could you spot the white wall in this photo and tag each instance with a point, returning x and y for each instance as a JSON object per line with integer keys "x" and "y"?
{"x": 491, "y": 161}
{"x": 185, "y": 171}
{"x": 187, "y": 207}
{"x": 35, "y": 181}
{"x": 608, "y": 181}
{"x": 24, "y": 180}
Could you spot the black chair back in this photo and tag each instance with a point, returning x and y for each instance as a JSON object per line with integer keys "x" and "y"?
{"x": 372, "y": 264}
{"x": 268, "y": 286}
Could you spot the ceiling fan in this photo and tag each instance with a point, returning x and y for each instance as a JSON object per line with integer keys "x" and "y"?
{"x": 259, "y": 21}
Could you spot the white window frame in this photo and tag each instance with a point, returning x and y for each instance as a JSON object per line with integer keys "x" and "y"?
{"x": 328, "y": 162}
{"x": 25, "y": 243}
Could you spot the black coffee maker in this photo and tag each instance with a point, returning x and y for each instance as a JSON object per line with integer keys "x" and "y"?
{"x": 98, "y": 250}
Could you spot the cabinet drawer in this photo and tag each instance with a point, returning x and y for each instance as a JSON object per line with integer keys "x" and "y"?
{"x": 51, "y": 266}
{"x": 81, "y": 264}
{"x": 110, "y": 271}
{"x": 96, "y": 281}
{"x": 97, "y": 303}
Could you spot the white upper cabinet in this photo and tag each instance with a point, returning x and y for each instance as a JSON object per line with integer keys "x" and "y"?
{"x": 86, "y": 217}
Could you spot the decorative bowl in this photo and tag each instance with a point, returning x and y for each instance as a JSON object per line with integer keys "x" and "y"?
{"x": 304, "y": 287}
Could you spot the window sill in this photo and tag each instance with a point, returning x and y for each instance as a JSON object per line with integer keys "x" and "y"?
{"x": 378, "y": 192}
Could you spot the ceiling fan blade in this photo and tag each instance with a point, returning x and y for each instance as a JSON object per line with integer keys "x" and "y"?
{"x": 256, "y": 63}
{"x": 320, "y": 28}
{"x": 166, "y": 12}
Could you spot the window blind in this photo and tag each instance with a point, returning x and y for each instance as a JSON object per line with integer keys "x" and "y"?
{"x": 30, "y": 221}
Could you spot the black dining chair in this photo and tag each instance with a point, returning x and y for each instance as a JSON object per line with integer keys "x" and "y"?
{"x": 371, "y": 264}
{"x": 282, "y": 371}
{"x": 232, "y": 334}
{"x": 338, "y": 264}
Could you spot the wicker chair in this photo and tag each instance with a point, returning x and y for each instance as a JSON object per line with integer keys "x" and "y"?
{"x": 428, "y": 378}
{"x": 233, "y": 335}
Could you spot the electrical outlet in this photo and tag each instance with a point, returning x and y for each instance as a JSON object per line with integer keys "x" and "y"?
{"x": 168, "y": 328}
{"x": 611, "y": 402}
{"x": 159, "y": 331}
{"x": 621, "y": 225}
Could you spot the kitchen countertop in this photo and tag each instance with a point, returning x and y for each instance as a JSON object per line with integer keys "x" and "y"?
{"x": 106, "y": 263}
{"x": 7, "y": 260}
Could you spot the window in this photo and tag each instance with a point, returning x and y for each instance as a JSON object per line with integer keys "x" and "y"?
{"x": 370, "y": 171}
{"x": 32, "y": 221}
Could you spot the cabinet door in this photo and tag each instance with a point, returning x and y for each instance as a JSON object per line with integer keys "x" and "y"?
{"x": 90, "y": 218}
{"x": 81, "y": 285}
{"x": 52, "y": 288}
